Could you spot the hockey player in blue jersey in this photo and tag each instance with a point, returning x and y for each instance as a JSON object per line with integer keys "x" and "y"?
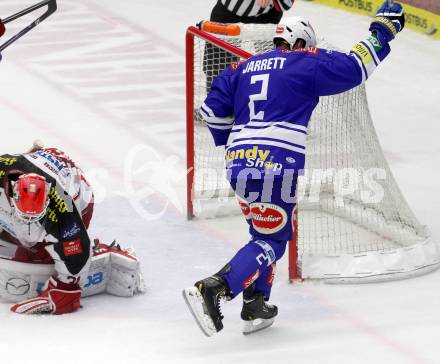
{"x": 260, "y": 110}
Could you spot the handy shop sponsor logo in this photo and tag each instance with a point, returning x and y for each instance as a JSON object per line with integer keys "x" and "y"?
{"x": 255, "y": 157}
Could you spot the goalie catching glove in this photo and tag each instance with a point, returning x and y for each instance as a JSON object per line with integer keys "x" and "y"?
{"x": 388, "y": 21}
{"x": 58, "y": 298}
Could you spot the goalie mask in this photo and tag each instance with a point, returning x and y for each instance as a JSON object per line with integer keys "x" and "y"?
{"x": 30, "y": 197}
{"x": 294, "y": 29}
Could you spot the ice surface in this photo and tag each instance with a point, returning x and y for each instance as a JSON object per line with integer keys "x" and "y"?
{"x": 100, "y": 78}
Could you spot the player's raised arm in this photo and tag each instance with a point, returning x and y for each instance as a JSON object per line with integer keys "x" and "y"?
{"x": 338, "y": 72}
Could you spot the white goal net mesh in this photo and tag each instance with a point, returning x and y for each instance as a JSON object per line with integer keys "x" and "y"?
{"x": 353, "y": 221}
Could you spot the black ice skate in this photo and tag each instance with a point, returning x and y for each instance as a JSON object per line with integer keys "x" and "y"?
{"x": 203, "y": 301}
{"x": 256, "y": 313}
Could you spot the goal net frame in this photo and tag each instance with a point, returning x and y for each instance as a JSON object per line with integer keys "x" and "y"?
{"x": 366, "y": 266}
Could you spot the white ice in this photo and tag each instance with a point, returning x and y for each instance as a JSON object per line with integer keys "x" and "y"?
{"x": 104, "y": 80}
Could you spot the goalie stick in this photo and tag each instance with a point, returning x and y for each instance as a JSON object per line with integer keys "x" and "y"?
{"x": 51, "y": 8}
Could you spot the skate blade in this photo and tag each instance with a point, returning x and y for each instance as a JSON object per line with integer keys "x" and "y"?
{"x": 251, "y": 327}
{"x": 195, "y": 303}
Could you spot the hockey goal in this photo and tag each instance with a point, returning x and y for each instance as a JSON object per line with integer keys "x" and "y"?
{"x": 352, "y": 223}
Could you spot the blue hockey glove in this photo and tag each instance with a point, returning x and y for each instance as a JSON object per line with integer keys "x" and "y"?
{"x": 389, "y": 20}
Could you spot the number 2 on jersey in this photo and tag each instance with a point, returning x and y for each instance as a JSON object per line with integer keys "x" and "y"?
{"x": 262, "y": 96}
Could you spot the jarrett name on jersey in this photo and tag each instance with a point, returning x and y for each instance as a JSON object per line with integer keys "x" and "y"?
{"x": 260, "y": 109}
{"x": 62, "y": 228}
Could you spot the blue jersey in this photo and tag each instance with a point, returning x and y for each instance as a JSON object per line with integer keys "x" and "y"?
{"x": 260, "y": 109}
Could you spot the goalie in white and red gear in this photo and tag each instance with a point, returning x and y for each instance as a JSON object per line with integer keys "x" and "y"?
{"x": 46, "y": 206}
{"x": 46, "y": 259}
{"x": 30, "y": 201}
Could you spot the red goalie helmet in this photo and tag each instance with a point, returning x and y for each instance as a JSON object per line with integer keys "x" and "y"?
{"x": 30, "y": 197}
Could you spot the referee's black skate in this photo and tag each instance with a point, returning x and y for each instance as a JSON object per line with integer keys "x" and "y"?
{"x": 256, "y": 313}
{"x": 203, "y": 301}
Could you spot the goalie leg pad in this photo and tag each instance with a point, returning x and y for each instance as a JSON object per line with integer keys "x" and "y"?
{"x": 115, "y": 271}
{"x": 125, "y": 276}
{"x": 112, "y": 270}
{"x": 20, "y": 281}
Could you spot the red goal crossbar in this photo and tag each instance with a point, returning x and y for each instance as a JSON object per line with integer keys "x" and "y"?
{"x": 191, "y": 33}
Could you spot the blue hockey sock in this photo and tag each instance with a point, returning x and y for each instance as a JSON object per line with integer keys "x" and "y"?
{"x": 251, "y": 262}
{"x": 264, "y": 283}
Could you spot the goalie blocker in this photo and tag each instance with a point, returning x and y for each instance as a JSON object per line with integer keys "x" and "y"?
{"x": 113, "y": 270}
